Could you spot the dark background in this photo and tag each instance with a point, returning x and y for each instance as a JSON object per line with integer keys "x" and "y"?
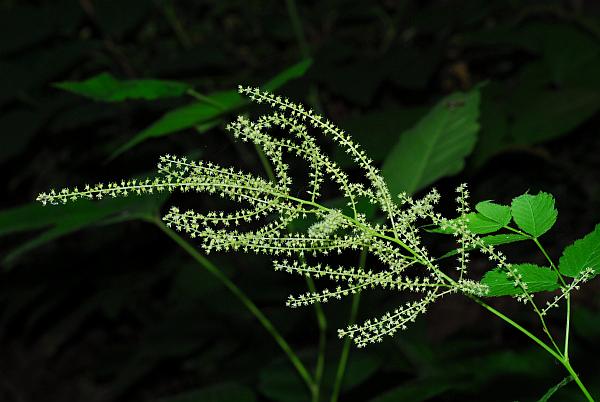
{"x": 107, "y": 308}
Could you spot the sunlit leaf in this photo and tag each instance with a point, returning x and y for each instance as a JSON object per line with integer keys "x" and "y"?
{"x": 495, "y": 212}
{"x": 479, "y": 224}
{"x": 584, "y": 253}
{"x": 534, "y": 214}
{"x": 537, "y": 278}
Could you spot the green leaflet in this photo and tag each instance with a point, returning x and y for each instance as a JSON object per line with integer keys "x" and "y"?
{"x": 495, "y": 212}
{"x": 106, "y": 88}
{"x": 210, "y": 110}
{"x": 489, "y": 218}
{"x": 584, "y": 253}
{"x": 436, "y": 146}
{"x": 534, "y": 214}
{"x": 480, "y": 224}
{"x": 538, "y": 279}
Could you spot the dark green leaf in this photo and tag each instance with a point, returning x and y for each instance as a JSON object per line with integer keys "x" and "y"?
{"x": 186, "y": 117}
{"x": 436, "y": 146}
{"x": 23, "y": 26}
{"x": 36, "y": 68}
{"x": 65, "y": 219}
{"x": 226, "y": 392}
{"x": 586, "y": 322}
{"x": 104, "y": 87}
{"x": 538, "y": 279}
{"x": 280, "y": 382}
{"x": 493, "y": 137}
{"x": 566, "y": 48}
{"x": 360, "y": 368}
{"x": 378, "y": 131}
{"x": 18, "y": 127}
{"x": 200, "y": 113}
{"x": 119, "y": 17}
{"x": 296, "y": 71}
{"x": 555, "y": 388}
{"x": 584, "y": 253}
{"x": 417, "y": 391}
{"x": 544, "y": 115}
{"x": 534, "y": 214}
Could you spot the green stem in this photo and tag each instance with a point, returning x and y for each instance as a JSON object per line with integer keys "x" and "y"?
{"x": 567, "y": 327}
{"x": 206, "y": 99}
{"x": 341, "y": 369}
{"x": 321, "y": 319}
{"x": 557, "y": 355}
{"x": 582, "y": 387}
{"x": 297, "y": 26}
{"x": 568, "y": 298}
{"x": 537, "y": 340}
{"x": 543, "y": 250}
{"x": 322, "y": 324}
{"x": 176, "y": 25}
{"x": 265, "y": 163}
{"x": 249, "y": 304}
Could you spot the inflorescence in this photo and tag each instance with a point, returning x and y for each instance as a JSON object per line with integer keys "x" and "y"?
{"x": 401, "y": 261}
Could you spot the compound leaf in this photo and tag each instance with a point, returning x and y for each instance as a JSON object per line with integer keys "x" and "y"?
{"x": 538, "y": 279}
{"x": 584, "y": 253}
{"x": 534, "y": 214}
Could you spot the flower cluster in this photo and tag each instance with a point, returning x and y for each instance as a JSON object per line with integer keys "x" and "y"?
{"x": 399, "y": 260}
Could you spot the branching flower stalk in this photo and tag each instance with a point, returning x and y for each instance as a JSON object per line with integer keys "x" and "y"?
{"x": 400, "y": 261}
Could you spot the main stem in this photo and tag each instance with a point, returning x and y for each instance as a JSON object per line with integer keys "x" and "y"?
{"x": 341, "y": 369}
{"x": 568, "y": 299}
{"x": 562, "y": 357}
{"x": 315, "y": 389}
{"x": 249, "y": 304}
{"x": 557, "y": 355}
{"x": 322, "y": 324}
